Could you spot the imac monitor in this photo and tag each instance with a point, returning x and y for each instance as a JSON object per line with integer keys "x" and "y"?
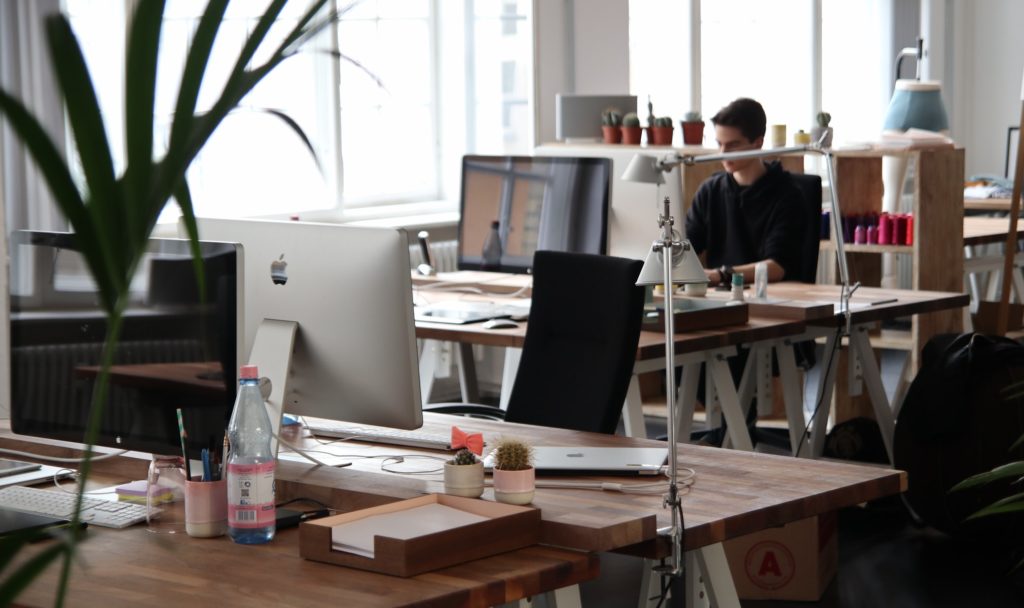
{"x": 349, "y": 290}
{"x": 540, "y": 203}
{"x": 176, "y": 350}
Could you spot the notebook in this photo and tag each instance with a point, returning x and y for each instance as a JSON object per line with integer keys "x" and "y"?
{"x": 595, "y": 460}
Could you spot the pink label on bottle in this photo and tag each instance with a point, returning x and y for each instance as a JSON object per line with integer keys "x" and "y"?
{"x": 251, "y": 495}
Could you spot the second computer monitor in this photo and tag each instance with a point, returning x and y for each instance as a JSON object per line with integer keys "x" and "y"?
{"x": 349, "y": 289}
{"x": 539, "y": 202}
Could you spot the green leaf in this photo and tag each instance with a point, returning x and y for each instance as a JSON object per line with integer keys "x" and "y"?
{"x": 184, "y": 197}
{"x": 140, "y": 95}
{"x": 18, "y": 580}
{"x": 1001, "y": 507}
{"x": 361, "y": 67}
{"x": 195, "y": 68}
{"x": 1012, "y": 469}
{"x": 1017, "y": 444}
{"x": 294, "y": 126}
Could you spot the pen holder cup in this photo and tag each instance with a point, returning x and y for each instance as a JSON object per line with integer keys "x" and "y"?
{"x": 206, "y": 508}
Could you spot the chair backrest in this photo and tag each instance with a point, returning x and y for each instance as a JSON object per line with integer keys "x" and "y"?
{"x": 580, "y": 342}
{"x": 810, "y": 188}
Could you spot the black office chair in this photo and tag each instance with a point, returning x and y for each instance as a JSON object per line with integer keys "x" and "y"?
{"x": 580, "y": 345}
{"x": 810, "y": 188}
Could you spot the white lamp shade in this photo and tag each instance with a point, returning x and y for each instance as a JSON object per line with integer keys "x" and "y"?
{"x": 644, "y": 169}
{"x": 916, "y": 105}
{"x": 687, "y": 269}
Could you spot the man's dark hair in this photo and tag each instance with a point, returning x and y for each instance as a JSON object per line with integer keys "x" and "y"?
{"x": 744, "y": 114}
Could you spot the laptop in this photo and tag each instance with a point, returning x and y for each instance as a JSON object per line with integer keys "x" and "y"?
{"x": 595, "y": 460}
{"x": 461, "y": 313}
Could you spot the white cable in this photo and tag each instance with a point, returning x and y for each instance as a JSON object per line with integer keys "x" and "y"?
{"x": 78, "y": 460}
{"x": 301, "y": 452}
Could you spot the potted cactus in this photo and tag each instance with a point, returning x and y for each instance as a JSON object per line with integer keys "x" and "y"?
{"x": 631, "y": 130}
{"x": 611, "y": 121}
{"x": 464, "y": 475}
{"x": 661, "y": 132}
{"x": 513, "y": 472}
{"x": 822, "y": 130}
{"x": 693, "y": 129}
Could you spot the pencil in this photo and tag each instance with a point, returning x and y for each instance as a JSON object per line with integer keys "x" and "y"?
{"x": 184, "y": 452}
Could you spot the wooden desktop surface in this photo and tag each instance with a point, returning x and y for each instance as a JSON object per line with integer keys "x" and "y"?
{"x": 985, "y": 230}
{"x": 987, "y": 204}
{"x": 734, "y": 493}
{"x": 882, "y": 303}
{"x": 135, "y": 567}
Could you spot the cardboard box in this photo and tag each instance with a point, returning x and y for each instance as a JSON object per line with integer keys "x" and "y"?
{"x": 794, "y": 562}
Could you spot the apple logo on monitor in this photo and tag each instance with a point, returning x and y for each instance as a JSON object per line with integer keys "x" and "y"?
{"x": 279, "y": 271}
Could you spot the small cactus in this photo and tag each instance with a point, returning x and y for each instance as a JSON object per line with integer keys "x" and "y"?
{"x": 663, "y": 121}
{"x": 631, "y": 120}
{"x": 611, "y": 118}
{"x": 513, "y": 455}
{"x": 692, "y": 117}
{"x": 823, "y": 119}
{"x": 463, "y": 456}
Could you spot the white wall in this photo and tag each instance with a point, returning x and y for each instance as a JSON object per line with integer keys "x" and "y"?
{"x": 580, "y": 46}
{"x": 988, "y": 62}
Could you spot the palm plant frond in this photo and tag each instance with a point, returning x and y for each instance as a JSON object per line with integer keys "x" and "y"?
{"x": 113, "y": 216}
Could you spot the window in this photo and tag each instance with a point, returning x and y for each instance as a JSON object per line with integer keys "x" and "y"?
{"x": 765, "y": 50}
{"x": 454, "y": 78}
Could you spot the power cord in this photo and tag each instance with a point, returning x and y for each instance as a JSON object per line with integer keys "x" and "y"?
{"x": 821, "y": 393}
{"x": 69, "y": 460}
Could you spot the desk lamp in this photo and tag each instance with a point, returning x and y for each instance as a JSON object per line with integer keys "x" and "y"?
{"x": 682, "y": 266}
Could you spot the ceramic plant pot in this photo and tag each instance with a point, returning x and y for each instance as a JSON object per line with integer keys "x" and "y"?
{"x": 514, "y": 487}
{"x": 612, "y": 135}
{"x": 816, "y": 134}
{"x": 631, "y": 135}
{"x": 464, "y": 479}
{"x": 693, "y": 133}
{"x": 660, "y": 136}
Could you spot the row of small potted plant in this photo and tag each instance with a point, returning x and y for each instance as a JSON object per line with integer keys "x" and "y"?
{"x": 626, "y": 129}
{"x": 512, "y": 473}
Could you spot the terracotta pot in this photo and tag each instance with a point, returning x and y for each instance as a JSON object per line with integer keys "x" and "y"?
{"x": 612, "y": 135}
{"x": 693, "y": 133}
{"x": 631, "y": 135}
{"x": 660, "y": 136}
{"x": 514, "y": 487}
{"x": 464, "y": 479}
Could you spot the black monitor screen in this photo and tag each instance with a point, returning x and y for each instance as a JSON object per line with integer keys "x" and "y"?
{"x": 539, "y": 203}
{"x": 173, "y": 350}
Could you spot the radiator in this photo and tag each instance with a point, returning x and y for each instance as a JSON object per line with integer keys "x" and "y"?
{"x": 444, "y": 254}
{"x": 43, "y": 377}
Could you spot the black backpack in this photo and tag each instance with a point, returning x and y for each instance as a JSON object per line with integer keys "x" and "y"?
{"x": 955, "y": 422}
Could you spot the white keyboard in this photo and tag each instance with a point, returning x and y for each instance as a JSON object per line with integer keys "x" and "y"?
{"x": 55, "y": 503}
{"x": 414, "y": 439}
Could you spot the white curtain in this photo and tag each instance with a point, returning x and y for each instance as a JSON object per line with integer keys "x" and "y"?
{"x": 26, "y": 73}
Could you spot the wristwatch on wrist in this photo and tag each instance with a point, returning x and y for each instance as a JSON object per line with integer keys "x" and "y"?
{"x": 726, "y": 273}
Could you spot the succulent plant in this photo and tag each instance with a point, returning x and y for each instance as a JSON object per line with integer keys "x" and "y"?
{"x": 463, "y": 456}
{"x": 692, "y": 117}
{"x": 823, "y": 119}
{"x": 663, "y": 121}
{"x": 631, "y": 120}
{"x": 513, "y": 455}
{"x": 611, "y": 118}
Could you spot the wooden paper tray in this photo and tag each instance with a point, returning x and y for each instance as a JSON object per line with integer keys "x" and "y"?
{"x": 508, "y": 528}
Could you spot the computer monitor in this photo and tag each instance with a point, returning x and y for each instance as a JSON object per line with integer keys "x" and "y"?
{"x": 176, "y": 350}
{"x": 349, "y": 290}
{"x": 540, "y": 203}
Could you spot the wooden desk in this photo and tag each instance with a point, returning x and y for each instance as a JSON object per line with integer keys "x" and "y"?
{"x": 987, "y": 204}
{"x": 710, "y": 347}
{"x": 134, "y": 567}
{"x": 986, "y": 230}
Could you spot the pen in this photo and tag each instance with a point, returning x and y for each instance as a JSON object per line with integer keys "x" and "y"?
{"x": 207, "y": 471}
{"x": 184, "y": 452}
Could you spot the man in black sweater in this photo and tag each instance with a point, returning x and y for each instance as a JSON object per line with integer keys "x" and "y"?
{"x": 750, "y": 213}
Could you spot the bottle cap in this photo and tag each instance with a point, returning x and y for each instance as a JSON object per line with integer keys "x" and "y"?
{"x": 249, "y": 372}
{"x": 737, "y": 279}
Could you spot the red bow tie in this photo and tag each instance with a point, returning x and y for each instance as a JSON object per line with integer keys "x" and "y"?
{"x": 474, "y": 442}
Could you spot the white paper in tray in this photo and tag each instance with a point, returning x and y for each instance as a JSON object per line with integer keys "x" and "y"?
{"x": 357, "y": 536}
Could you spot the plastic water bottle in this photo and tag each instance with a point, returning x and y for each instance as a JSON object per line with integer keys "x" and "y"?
{"x": 250, "y": 465}
{"x": 492, "y": 249}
